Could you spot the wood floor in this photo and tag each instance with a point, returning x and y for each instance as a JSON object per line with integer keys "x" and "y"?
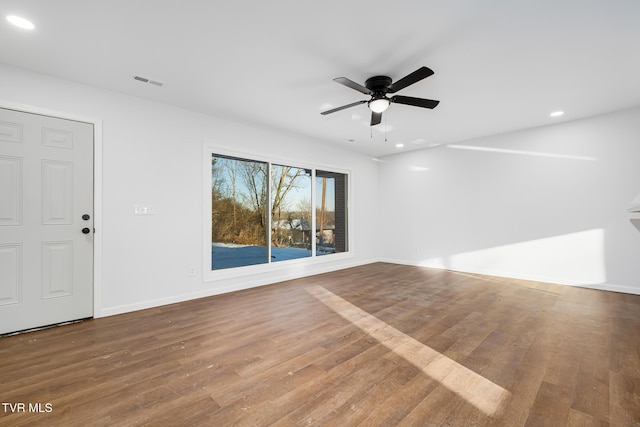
{"x": 377, "y": 345}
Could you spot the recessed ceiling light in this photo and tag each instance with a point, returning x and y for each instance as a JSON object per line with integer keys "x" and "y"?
{"x": 556, "y": 113}
{"x": 21, "y": 22}
{"x": 399, "y": 145}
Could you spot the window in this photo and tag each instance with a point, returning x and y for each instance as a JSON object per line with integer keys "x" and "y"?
{"x": 290, "y": 213}
{"x": 255, "y": 202}
{"x": 331, "y": 212}
{"x": 238, "y": 212}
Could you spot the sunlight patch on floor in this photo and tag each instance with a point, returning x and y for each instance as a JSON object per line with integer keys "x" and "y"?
{"x": 474, "y": 388}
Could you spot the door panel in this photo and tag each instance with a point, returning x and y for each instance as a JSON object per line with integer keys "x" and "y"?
{"x": 46, "y": 186}
{"x": 10, "y": 190}
{"x": 57, "y": 192}
{"x": 57, "y": 266}
{"x": 10, "y": 280}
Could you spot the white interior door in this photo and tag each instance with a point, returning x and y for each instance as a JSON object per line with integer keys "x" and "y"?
{"x": 46, "y": 220}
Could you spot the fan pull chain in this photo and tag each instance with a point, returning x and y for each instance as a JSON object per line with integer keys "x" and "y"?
{"x": 385, "y": 128}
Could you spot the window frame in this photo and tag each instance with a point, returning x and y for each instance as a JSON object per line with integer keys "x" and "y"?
{"x": 210, "y": 275}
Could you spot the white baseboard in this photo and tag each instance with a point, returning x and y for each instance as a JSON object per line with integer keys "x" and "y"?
{"x": 599, "y": 286}
{"x": 259, "y": 280}
{"x": 612, "y": 288}
{"x": 247, "y": 282}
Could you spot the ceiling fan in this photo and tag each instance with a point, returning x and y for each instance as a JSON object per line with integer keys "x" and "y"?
{"x": 379, "y": 86}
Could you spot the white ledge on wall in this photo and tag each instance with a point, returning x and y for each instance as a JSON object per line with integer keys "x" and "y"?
{"x": 634, "y": 210}
{"x": 635, "y": 205}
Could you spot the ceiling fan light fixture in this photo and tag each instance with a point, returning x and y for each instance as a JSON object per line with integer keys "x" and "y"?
{"x": 378, "y": 105}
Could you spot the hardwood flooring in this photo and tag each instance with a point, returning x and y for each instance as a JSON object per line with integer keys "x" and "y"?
{"x": 377, "y": 345}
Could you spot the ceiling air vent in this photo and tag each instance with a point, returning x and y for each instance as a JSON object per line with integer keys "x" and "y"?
{"x": 146, "y": 80}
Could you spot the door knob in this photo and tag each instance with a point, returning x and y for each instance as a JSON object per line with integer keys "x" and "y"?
{"x": 86, "y": 230}
{"x": 86, "y": 217}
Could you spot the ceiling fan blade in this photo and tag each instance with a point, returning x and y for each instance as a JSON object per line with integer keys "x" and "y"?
{"x": 416, "y": 76}
{"x": 416, "y": 102}
{"x": 353, "y": 85}
{"x": 333, "y": 110}
{"x": 376, "y": 118}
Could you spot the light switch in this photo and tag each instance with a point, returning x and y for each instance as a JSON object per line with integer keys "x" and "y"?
{"x": 144, "y": 210}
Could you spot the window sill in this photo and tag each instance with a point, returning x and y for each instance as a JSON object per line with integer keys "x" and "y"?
{"x": 275, "y": 267}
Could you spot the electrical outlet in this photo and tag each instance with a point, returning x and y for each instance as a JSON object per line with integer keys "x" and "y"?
{"x": 192, "y": 271}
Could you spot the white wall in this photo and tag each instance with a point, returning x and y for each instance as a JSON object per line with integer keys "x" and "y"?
{"x": 152, "y": 154}
{"x": 546, "y": 204}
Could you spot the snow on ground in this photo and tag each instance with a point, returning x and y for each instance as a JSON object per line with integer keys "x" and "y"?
{"x": 227, "y": 255}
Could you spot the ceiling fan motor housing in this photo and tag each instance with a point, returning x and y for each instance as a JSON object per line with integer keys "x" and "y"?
{"x": 379, "y": 85}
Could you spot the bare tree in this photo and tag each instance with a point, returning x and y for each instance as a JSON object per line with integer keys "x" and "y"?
{"x": 283, "y": 180}
{"x": 231, "y": 167}
{"x": 254, "y": 175}
{"x": 240, "y": 195}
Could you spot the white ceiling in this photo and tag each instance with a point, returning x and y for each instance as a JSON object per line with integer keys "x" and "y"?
{"x": 500, "y": 65}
